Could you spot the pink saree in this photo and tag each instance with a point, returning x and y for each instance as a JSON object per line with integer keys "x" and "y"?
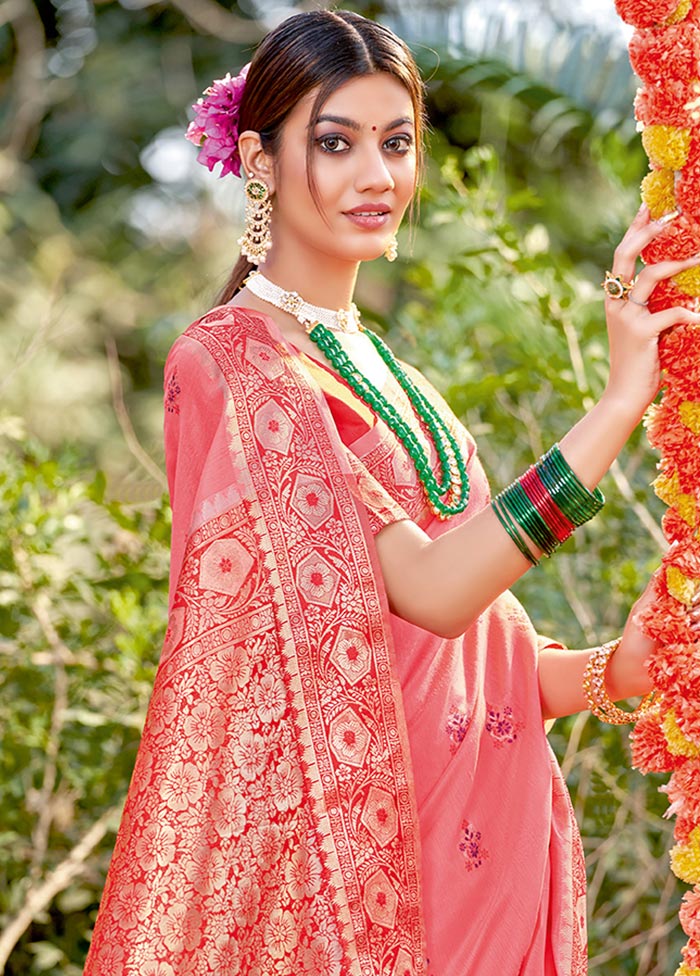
{"x": 323, "y": 789}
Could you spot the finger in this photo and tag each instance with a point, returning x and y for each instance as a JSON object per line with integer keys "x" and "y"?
{"x": 652, "y": 274}
{"x": 641, "y": 232}
{"x": 666, "y": 319}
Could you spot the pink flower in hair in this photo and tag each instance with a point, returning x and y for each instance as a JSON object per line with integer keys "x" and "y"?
{"x": 214, "y": 128}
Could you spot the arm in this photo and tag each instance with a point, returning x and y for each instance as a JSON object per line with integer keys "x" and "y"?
{"x": 442, "y": 585}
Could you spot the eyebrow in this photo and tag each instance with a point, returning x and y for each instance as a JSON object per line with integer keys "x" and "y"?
{"x": 355, "y": 126}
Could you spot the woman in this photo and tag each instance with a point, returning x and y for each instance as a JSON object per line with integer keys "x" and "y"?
{"x": 344, "y": 768}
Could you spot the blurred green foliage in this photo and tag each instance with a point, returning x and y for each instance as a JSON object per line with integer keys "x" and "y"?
{"x": 495, "y": 297}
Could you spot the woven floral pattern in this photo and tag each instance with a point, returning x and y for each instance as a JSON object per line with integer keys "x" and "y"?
{"x": 270, "y": 826}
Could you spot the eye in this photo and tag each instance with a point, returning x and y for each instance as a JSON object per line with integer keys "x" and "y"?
{"x": 399, "y": 144}
{"x": 332, "y": 143}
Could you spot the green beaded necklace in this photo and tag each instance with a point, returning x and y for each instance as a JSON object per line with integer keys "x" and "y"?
{"x": 446, "y": 496}
{"x": 454, "y": 480}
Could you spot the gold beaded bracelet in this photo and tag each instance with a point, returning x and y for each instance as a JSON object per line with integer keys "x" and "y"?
{"x": 599, "y": 702}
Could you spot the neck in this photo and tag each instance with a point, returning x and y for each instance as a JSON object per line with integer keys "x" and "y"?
{"x": 320, "y": 279}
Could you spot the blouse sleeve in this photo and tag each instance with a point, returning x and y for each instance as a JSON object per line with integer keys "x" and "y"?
{"x": 380, "y": 507}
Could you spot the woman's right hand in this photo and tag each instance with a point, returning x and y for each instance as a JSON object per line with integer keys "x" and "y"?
{"x": 633, "y": 331}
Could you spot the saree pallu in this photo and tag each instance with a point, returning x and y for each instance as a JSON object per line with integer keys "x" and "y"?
{"x": 322, "y": 788}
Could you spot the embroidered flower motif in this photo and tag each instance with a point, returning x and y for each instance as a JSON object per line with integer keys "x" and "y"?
{"x": 246, "y": 902}
{"x": 206, "y": 870}
{"x": 225, "y": 957}
{"x": 132, "y": 905}
{"x": 228, "y": 812}
{"x": 501, "y": 725}
{"x": 323, "y": 957}
{"x": 456, "y": 728}
{"x": 472, "y": 849}
{"x": 182, "y": 786}
{"x": 172, "y": 393}
{"x": 270, "y": 699}
{"x": 180, "y": 927}
{"x": 163, "y": 709}
{"x": 110, "y": 959}
{"x": 215, "y": 125}
{"x": 205, "y": 728}
{"x": 286, "y": 784}
{"x": 302, "y": 874}
{"x": 280, "y": 933}
{"x": 317, "y": 580}
{"x": 349, "y": 738}
{"x": 250, "y": 755}
{"x": 351, "y": 655}
{"x": 154, "y": 968}
{"x": 156, "y": 846}
{"x": 267, "y": 845}
{"x": 231, "y": 669}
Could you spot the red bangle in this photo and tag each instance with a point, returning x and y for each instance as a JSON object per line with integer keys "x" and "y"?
{"x": 548, "y": 509}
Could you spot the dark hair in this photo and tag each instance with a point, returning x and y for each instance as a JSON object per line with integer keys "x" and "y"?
{"x": 319, "y": 49}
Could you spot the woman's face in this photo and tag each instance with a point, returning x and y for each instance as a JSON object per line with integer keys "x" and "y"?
{"x": 364, "y": 167}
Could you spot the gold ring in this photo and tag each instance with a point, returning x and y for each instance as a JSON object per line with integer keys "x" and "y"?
{"x": 615, "y": 287}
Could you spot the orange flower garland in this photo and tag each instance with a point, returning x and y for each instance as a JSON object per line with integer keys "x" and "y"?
{"x": 665, "y": 53}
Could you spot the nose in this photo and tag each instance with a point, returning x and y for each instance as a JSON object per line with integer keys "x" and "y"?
{"x": 373, "y": 171}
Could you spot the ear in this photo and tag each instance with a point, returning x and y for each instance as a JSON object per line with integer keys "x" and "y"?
{"x": 254, "y": 160}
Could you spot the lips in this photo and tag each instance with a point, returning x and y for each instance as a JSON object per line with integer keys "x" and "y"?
{"x": 370, "y": 209}
{"x": 370, "y": 216}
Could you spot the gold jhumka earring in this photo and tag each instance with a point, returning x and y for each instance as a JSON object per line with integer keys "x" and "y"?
{"x": 256, "y": 241}
{"x": 391, "y": 252}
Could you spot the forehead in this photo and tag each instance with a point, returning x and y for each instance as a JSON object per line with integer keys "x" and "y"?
{"x": 375, "y": 99}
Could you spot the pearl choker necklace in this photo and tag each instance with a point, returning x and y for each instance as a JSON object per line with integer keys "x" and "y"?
{"x": 338, "y": 320}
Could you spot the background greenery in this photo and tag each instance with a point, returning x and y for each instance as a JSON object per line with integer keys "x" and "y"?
{"x": 111, "y": 244}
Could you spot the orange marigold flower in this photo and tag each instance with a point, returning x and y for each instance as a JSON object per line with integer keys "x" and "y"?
{"x": 683, "y": 791}
{"x": 689, "y": 913}
{"x": 679, "y": 240}
{"x": 658, "y": 192}
{"x": 691, "y": 955}
{"x": 684, "y": 699}
{"x": 645, "y": 13}
{"x": 680, "y": 349}
{"x": 665, "y": 104}
{"x": 679, "y": 523}
{"x": 650, "y": 752}
{"x": 659, "y": 56}
{"x": 681, "y": 12}
{"x": 667, "y": 295}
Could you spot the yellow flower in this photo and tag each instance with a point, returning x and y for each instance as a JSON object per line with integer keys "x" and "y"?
{"x": 688, "y": 281}
{"x": 666, "y": 146}
{"x": 679, "y": 586}
{"x": 690, "y": 415}
{"x": 667, "y": 488}
{"x": 685, "y": 970}
{"x": 685, "y": 858}
{"x": 658, "y": 192}
{"x": 677, "y": 743}
{"x": 680, "y": 13}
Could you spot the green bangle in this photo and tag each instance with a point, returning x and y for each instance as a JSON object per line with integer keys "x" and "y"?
{"x": 571, "y": 496}
{"x": 504, "y": 518}
{"x": 516, "y": 499}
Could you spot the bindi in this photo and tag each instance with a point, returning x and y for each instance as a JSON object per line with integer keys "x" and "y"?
{"x": 374, "y": 128}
